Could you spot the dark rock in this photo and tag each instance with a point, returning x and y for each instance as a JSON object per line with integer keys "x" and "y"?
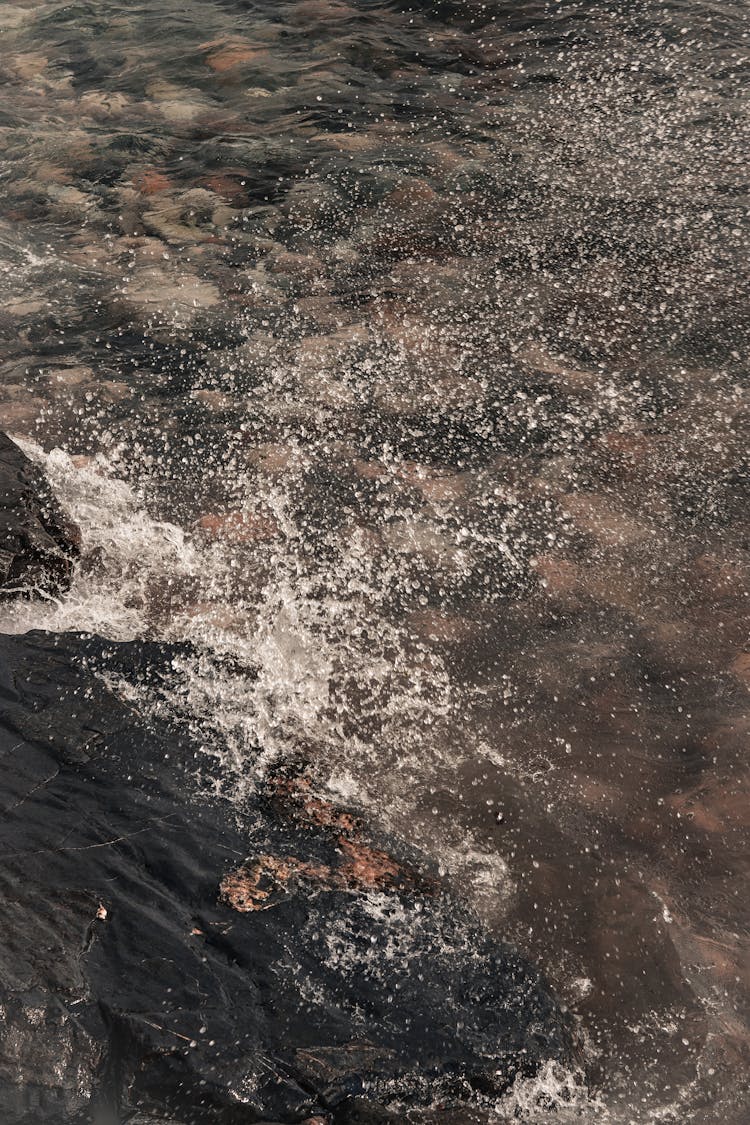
{"x": 38, "y": 546}
{"x": 132, "y": 979}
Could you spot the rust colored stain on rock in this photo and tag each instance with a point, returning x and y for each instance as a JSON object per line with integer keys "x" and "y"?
{"x": 302, "y": 806}
{"x": 367, "y": 867}
{"x": 259, "y": 885}
{"x": 263, "y": 883}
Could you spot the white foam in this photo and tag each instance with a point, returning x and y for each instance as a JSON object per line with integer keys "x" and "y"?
{"x": 328, "y": 673}
{"x": 134, "y": 551}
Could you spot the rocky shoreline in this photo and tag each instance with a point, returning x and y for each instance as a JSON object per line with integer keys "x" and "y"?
{"x": 166, "y": 955}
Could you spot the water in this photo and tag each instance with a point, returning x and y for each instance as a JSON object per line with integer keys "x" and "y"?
{"x": 396, "y": 356}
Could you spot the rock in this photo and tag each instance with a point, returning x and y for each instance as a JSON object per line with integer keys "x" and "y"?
{"x": 71, "y": 376}
{"x": 718, "y": 580}
{"x": 29, "y": 65}
{"x": 193, "y": 216}
{"x": 179, "y": 105}
{"x": 558, "y": 576}
{"x": 68, "y": 203}
{"x": 574, "y": 378}
{"x": 216, "y": 402}
{"x": 38, "y": 546}
{"x": 329, "y": 351}
{"x": 166, "y": 954}
{"x": 224, "y": 55}
{"x": 441, "y": 628}
{"x": 230, "y": 187}
{"x": 274, "y": 458}
{"x": 113, "y": 390}
{"x": 25, "y": 306}
{"x": 239, "y": 527}
{"x": 740, "y": 667}
{"x": 307, "y": 267}
{"x": 323, "y": 312}
{"x": 609, "y": 526}
{"x": 152, "y": 182}
{"x": 158, "y": 299}
{"x": 21, "y": 414}
{"x": 104, "y": 104}
{"x": 410, "y": 194}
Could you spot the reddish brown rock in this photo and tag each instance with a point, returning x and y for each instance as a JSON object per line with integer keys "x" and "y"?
{"x": 227, "y": 54}
{"x": 230, "y": 188}
{"x": 152, "y": 182}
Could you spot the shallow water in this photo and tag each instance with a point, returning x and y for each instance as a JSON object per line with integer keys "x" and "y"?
{"x": 399, "y": 352}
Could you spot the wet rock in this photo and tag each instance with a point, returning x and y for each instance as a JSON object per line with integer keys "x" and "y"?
{"x": 38, "y": 546}
{"x": 104, "y": 104}
{"x": 607, "y": 524}
{"x": 239, "y": 527}
{"x": 20, "y": 410}
{"x": 410, "y": 194}
{"x": 112, "y": 390}
{"x": 28, "y": 66}
{"x": 740, "y": 668}
{"x": 25, "y": 306}
{"x": 274, "y": 458}
{"x": 141, "y": 250}
{"x": 228, "y": 54}
{"x": 304, "y": 266}
{"x": 717, "y": 580}
{"x": 557, "y": 576}
{"x": 71, "y": 376}
{"x": 323, "y": 312}
{"x": 193, "y": 216}
{"x": 179, "y": 105}
{"x": 152, "y": 182}
{"x": 158, "y": 299}
{"x": 215, "y": 401}
{"x": 574, "y": 378}
{"x": 200, "y": 962}
{"x": 70, "y": 204}
{"x": 441, "y": 628}
{"x": 230, "y": 187}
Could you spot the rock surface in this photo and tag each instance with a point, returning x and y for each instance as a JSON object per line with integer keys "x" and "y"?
{"x": 169, "y": 954}
{"x": 38, "y": 547}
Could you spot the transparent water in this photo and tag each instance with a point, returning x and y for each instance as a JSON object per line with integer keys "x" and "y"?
{"x": 399, "y": 352}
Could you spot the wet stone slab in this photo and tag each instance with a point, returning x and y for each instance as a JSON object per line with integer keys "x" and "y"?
{"x": 38, "y": 545}
{"x": 164, "y": 950}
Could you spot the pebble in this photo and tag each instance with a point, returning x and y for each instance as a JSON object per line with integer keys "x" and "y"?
{"x": 239, "y": 527}
{"x": 559, "y": 577}
{"x": 609, "y": 525}
{"x": 231, "y": 53}
{"x": 158, "y": 297}
{"x": 740, "y": 668}
{"x": 21, "y": 416}
{"x": 152, "y": 182}
{"x": 215, "y": 401}
{"x": 72, "y": 376}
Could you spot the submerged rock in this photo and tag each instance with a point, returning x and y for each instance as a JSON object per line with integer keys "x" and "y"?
{"x": 38, "y": 546}
{"x": 168, "y": 953}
